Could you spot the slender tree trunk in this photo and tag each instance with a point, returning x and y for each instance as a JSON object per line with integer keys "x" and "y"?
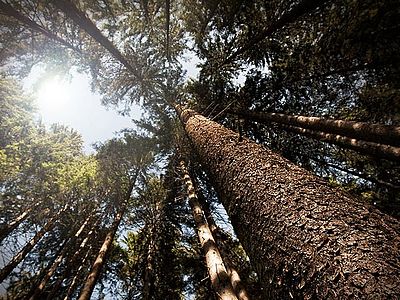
{"x": 94, "y": 274}
{"x": 148, "y": 289}
{"x": 8, "y": 228}
{"x": 71, "y": 261}
{"x": 377, "y": 133}
{"x": 234, "y": 276}
{"x": 28, "y": 247}
{"x": 39, "y": 289}
{"x": 302, "y": 8}
{"x": 369, "y": 148}
{"x": 220, "y": 280}
{"x": 8, "y": 10}
{"x": 70, "y": 10}
{"x": 305, "y": 238}
{"x": 75, "y": 258}
{"x": 74, "y": 281}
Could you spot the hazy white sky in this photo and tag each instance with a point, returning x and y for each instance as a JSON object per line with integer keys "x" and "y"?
{"x": 72, "y": 103}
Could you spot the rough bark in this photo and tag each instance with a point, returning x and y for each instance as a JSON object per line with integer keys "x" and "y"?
{"x": 94, "y": 274}
{"x": 86, "y": 24}
{"x": 219, "y": 277}
{"x": 369, "y": 148}
{"x": 305, "y": 238}
{"x": 29, "y": 246}
{"x": 377, "y": 133}
{"x": 8, "y": 10}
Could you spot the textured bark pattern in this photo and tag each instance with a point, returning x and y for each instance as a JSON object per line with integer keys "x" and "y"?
{"x": 219, "y": 277}
{"x": 306, "y": 239}
{"x": 377, "y": 133}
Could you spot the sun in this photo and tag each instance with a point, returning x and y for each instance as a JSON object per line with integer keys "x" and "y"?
{"x": 52, "y": 94}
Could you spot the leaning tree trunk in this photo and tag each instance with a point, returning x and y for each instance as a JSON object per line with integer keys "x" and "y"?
{"x": 51, "y": 269}
{"x": 79, "y": 17}
{"x": 305, "y": 238}
{"x": 10, "y": 226}
{"x": 369, "y": 148}
{"x": 8, "y": 10}
{"x": 29, "y": 246}
{"x": 220, "y": 239}
{"x": 219, "y": 277}
{"x": 101, "y": 257}
{"x": 377, "y": 133}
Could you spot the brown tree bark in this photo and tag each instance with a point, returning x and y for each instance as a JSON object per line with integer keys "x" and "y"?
{"x": 305, "y": 238}
{"x": 377, "y": 133}
{"x": 29, "y": 246}
{"x": 94, "y": 274}
{"x": 148, "y": 281}
{"x": 219, "y": 277}
{"x": 70, "y": 10}
{"x": 8, "y": 10}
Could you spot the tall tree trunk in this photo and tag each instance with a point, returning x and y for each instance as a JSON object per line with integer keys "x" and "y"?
{"x": 302, "y": 8}
{"x": 74, "y": 281}
{"x": 86, "y": 24}
{"x": 9, "y": 227}
{"x": 39, "y": 289}
{"x": 148, "y": 288}
{"x": 377, "y": 133}
{"x": 305, "y": 238}
{"x": 369, "y": 148}
{"x": 94, "y": 274}
{"x": 234, "y": 276}
{"x": 219, "y": 277}
{"x": 29, "y": 246}
{"x": 71, "y": 262}
{"x": 75, "y": 257}
{"x": 8, "y": 10}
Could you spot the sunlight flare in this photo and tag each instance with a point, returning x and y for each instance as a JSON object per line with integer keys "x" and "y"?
{"x": 52, "y": 94}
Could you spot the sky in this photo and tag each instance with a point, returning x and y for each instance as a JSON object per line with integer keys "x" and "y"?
{"x": 70, "y": 101}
